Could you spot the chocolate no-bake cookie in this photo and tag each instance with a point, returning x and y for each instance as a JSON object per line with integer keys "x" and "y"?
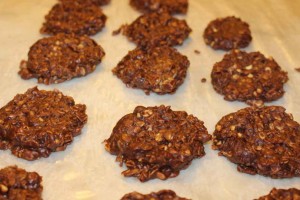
{"x": 160, "y": 195}
{"x": 17, "y": 184}
{"x": 39, "y": 122}
{"x": 73, "y": 17}
{"x": 171, "y": 6}
{"x": 227, "y": 33}
{"x": 282, "y": 194}
{"x": 158, "y": 69}
{"x": 156, "y": 142}
{"x": 157, "y": 28}
{"x": 248, "y": 77}
{"x": 61, "y": 57}
{"x": 263, "y": 141}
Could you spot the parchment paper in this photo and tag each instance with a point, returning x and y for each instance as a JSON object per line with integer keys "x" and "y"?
{"x": 85, "y": 170}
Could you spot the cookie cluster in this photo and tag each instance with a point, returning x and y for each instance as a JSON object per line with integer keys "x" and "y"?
{"x": 153, "y": 142}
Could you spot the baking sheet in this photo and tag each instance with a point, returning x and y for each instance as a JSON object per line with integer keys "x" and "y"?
{"x": 85, "y": 170}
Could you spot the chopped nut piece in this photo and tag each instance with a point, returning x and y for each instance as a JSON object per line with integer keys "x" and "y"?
{"x": 250, "y": 76}
{"x": 235, "y": 76}
{"x": 232, "y": 128}
{"x": 3, "y": 188}
{"x": 249, "y": 67}
{"x": 268, "y": 69}
{"x": 161, "y": 176}
{"x": 258, "y": 148}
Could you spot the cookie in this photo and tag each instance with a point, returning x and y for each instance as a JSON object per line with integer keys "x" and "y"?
{"x": 282, "y": 194}
{"x": 157, "y": 28}
{"x": 156, "y": 142}
{"x": 248, "y": 77}
{"x": 16, "y": 183}
{"x": 263, "y": 141}
{"x": 171, "y": 6}
{"x": 157, "y": 69}
{"x": 160, "y": 195}
{"x": 60, "y": 58}
{"x": 39, "y": 122}
{"x": 71, "y": 17}
{"x": 227, "y": 33}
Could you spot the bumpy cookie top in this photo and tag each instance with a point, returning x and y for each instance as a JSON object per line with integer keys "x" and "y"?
{"x": 158, "y": 69}
{"x": 72, "y": 17}
{"x": 156, "y": 142}
{"x": 16, "y": 183}
{"x": 263, "y": 141}
{"x": 61, "y": 57}
{"x": 171, "y": 6}
{"x": 248, "y": 77}
{"x": 39, "y": 122}
{"x": 227, "y": 33}
{"x": 157, "y": 28}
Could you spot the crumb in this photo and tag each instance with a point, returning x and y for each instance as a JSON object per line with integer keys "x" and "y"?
{"x": 203, "y": 80}
{"x": 197, "y": 51}
{"x": 117, "y": 32}
{"x": 297, "y": 69}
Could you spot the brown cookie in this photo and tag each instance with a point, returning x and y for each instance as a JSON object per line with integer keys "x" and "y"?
{"x": 61, "y": 57}
{"x": 17, "y": 184}
{"x": 157, "y": 28}
{"x": 85, "y": 2}
{"x": 156, "y": 142}
{"x": 282, "y": 194}
{"x": 72, "y": 17}
{"x": 248, "y": 77}
{"x": 158, "y": 69}
{"x": 171, "y": 6}
{"x": 160, "y": 195}
{"x": 39, "y": 122}
{"x": 227, "y": 33}
{"x": 263, "y": 141}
